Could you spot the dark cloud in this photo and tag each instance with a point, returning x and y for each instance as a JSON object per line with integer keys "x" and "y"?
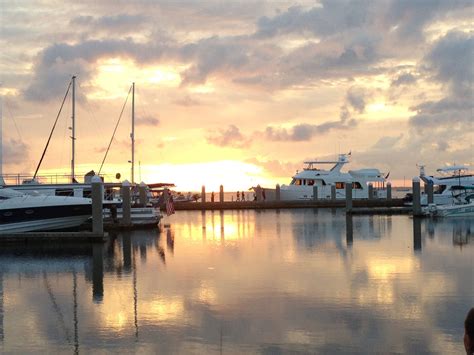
{"x": 356, "y": 97}
{"x": 408, "y": 18}
{"x": 404, "y": 79}
{"x": 230, "y": 137}
{"x": 451, "y": 61}
{"x": 15, "y": 152}
{"x": 147, "y": 121}
{"x": 305, "y": 131}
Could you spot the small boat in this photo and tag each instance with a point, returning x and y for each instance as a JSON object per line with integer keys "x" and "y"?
{"x": 140, "y": 216}
{"x": 463, "y": 206}
{"x": 26, "y": 213}
{"x": 446, "y": 183}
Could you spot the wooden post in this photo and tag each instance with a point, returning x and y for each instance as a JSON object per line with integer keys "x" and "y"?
{"x": 259, "y": 193}
{"x": 389, "y": 191}
{"x": 429, "y": 191}
{"x": 315, "y": 193}
{"x": 277, "y": 193}
{"x": 126, "y": 203}
{"x": 221, "y": 193}
{"x": 333, "y": 192}
{"x": 97, "y": 208}
{"x": 416, "y": 197}
{"x": 370, "y": 192}
{"x": 203, "y": 194}
{"x": 348, "y": 187}
{"x": 142, "y": 194}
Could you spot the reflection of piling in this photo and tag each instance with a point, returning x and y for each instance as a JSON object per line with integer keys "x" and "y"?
{"x": 349, "y": 230}
{"x": 203, "y": 193}
{"x": 97, "y": 210}
{"x": 417, "y": 234}
{"x": 348, "y": 197}
{"x": 221, "y": 193}
{"x": 126, "y": 203}
{"x": 127, "y": 251}
{"x": 142, "y": 194}
{"x": 277, "y": 193}
{"x": 389, "y": 191}
{"x": 416, "y": 197}
{"x": 429, "y": 191}
{"x": 333, "y": 192}
{"x": 315, "y": 193}
{"x": 97, "y": 273}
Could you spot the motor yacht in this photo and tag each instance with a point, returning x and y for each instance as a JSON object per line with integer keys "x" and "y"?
{"x": 463, "y": 206}
{"x": 447, "y": 183}
{"x": 27, "y": 213}
{"x": 303, "y": 182}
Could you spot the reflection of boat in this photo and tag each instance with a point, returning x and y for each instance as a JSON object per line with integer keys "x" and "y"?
{"x": 445, "y": 185}
{"x": 301, "y": 187}
{"x": 26, "y": 213}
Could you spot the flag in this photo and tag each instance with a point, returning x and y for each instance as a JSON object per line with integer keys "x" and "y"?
{"x": 169, "y": 206}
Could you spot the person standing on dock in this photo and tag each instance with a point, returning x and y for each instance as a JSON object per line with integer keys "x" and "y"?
{"x": 238, "y": 196}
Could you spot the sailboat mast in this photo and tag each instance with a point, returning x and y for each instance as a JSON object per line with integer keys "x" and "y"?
{"x": 132, "y": 135}
{"x": 2, "y": 182}
{"x": 73, "y": 128}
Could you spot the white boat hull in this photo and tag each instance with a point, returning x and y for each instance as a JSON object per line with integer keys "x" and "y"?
{"x": 49, "y": 224}
{"x": 465, "y": 210}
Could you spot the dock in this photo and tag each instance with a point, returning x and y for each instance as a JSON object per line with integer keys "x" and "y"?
{"x": 372, "y": 205}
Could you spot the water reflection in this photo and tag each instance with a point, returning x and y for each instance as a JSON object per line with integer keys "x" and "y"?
{"x": 267, "y": 281}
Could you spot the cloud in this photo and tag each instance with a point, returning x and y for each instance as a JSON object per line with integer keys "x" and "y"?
{"x": 117, "y": 23}
{"x": 404, "y": 79}
{"x": 187, "y": 101}
{"x": 147, "y": 121}
{"x": 306, "y": 131}
{"x": 387, "y": 142}
{"x": 450, "y": 60}
{"x": 356, "y": 97}
{"x": 230, "y": 137}
{"x": 276, "y": 167}
{"x": 15, "y": 152}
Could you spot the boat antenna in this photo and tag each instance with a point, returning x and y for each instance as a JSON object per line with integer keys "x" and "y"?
{"x": 115, "y": 130}
{"x": 52, "y": 130}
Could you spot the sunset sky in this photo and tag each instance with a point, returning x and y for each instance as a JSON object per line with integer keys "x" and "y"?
{"x": 238, "y": 92}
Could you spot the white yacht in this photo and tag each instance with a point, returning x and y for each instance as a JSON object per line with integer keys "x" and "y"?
{"x": 303, "y": 182}
{"x": 26, "y": 213}
{"x": 447, "y": 183}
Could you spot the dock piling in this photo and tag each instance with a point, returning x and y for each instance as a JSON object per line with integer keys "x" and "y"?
{"x": 333, "y": 192}
{"x": 203, "y": 194}
{"x": 389, "y": 191}
{"x": 97, "y": 206}
{"x": 126, "y": 203}
{"x": 142, "y": 194}
{"x": 416, "y": 197}
{"x": 371, "y": 192}
{"x": 348, "y": 187}
{"x": 429, "y": 191}
{"x": 277, "y": 193}
{"x": 315, "y": 193}
{"x": 221, "y": 193}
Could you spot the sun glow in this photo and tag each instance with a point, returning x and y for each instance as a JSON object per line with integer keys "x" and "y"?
{"x": 113, "y": 74}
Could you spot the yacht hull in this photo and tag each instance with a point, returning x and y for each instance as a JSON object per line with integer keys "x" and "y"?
{"x": 39, "y": 225}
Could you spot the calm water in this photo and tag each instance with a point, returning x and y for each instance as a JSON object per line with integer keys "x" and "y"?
{"x": 246, "y": 282}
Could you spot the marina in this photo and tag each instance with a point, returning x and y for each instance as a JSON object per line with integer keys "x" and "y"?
{"x": 206, "y": 283}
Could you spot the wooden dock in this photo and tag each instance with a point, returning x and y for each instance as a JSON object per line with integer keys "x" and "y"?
{"x": 259, "y": 205}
